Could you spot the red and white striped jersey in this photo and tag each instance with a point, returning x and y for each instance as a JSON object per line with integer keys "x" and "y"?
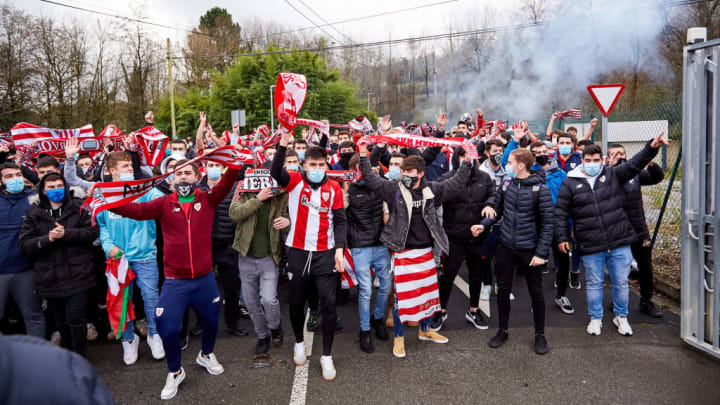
{"x": 311, "y": 215}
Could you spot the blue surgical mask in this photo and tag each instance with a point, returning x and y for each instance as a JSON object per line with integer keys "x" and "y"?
{"x": 393, "y": 173}
{"x": 510, "y": 171}
{"x": 56, "y": 194}
{"x": 126, "y": 177}
{"x": 592, "y": 169}
{"x": 177, "y": 155}
{"x": 301, "y": 154}
{"x": 316, "y": 175}
{"x": 565, "y": 149}
{"x": 84, "y": 170}
{"x": 76, "y": 156}
{"x": 171, "y": 177}
{"x": 291, "y": 167}
{"x": 15, "y": 185}
{"x": 167, "y": 152}
{"x": 214, "y": 173}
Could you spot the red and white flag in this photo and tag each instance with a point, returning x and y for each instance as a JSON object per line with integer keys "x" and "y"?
{"x": 573, "y": 112}
{"x": 153, "y": 144}
{"x": 348, "y": 278}
{"x": 50, "y": 141}
{"x": 416, "y": 284}
{"x": 499, "y": 126}
{"x": 361, "y": 124}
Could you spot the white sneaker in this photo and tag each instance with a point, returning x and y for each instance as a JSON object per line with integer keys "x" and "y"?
{"x": 299, "y": 357}
{"x": 92, "y": 332}
{"x": 56, "y": 338}
{"x": 210, "y": 363}
{"x": 172, "y": 382}
{"x": 512, "y": 296}
{"x": 156, "y": 346}
{"x": 376, "y": 282}
{"x": 485, "y": 293}
{"x": 623, "y": 326}
{"x": 328, "y": 368}
{"x": 594, "y": 327}
{"x": 130, "y": 350}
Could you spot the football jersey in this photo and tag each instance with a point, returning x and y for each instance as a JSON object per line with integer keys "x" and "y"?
{"x": 311, "y": 215}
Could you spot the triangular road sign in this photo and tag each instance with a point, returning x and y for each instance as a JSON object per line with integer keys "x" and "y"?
{"x": 606, "y": 95}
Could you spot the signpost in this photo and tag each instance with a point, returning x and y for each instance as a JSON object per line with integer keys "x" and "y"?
{"x": 605, "y": 96}
{"x": 237, "y": 117}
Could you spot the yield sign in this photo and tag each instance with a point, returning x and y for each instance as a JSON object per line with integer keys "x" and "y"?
{"x": 606, "y": 95}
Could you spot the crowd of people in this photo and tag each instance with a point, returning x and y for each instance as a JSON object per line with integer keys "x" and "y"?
{"x": 505, "y": 202}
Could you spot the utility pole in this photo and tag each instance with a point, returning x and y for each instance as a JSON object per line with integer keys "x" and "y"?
{"x": 172, "y": 93}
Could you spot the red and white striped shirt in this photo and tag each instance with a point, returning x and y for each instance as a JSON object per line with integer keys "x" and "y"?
{"x": 311, "y": 214}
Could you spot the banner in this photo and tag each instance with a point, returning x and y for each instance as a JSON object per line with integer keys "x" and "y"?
{"x": 50, "y": 141}
{"x": 408, "y": 140}
{"x": 290, "y": 92}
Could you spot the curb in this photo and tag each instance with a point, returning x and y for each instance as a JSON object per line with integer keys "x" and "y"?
{"x": 671, "y": 290}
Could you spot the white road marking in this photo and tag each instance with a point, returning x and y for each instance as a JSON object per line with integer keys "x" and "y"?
{"x": 465, "y": 288}
{"x": 300, "y": 381}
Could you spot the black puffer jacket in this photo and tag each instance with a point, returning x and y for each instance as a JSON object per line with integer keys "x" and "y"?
{"x": 463, "y": 209}
{"x": 600, "y": 222}
{"x": 365, "y": 219}
{"x": 525, "y": 226}
{"x": 399, "y": 200}
{"x": 63, "y": 267}
{"x": 652, "y": 175}
{"x": 223, "y": 229}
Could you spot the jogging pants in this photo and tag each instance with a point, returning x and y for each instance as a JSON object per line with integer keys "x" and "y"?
{"x": 506, "y": 260}
{"x": 305, "y": 270}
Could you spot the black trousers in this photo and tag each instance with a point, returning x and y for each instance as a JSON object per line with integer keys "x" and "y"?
{"x": 563, "y": 270}
{"x": 307, "y": 270}
{"x": 69, "y": 314}
{"x": 226, "y": 260}
{"x": 506, "y": 261}
{"x": 470, "y": 252}
{"x": 643, "y": 257}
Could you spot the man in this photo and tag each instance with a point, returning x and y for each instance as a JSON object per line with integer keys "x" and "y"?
{"x": 84, "y": 162}
{"x": 412, "y": 229}
{"x": 135, "y": 240}
{"x": 260, "y": 217}
{"x": 550, "y": 134}
{"x": 467, "y": 206}
{"x": 47, "y": 164}
{"x": 583, "y": 143}
{"x": 178, "y": 147}
{"x": 292, "y": 162}
{"x": 524, "y": 238}
{"x": 641, "y": 248}
{"x": 592, "y": 197}
{"x": 343, "y": 136}
{"x": 269, "y": 154}
{"x": 316, "y": 241}
{"x": 462, "y": 129}
{"x": 186, "y": 217}
{"x": 300, "y": 148}
{"x": 16, "y": 276}
{"x": 347, "y": 150}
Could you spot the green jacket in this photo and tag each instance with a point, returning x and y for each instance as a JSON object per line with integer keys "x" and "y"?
{"x": 242, "y": 212}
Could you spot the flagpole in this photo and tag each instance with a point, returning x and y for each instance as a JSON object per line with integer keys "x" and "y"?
{"x": 172, "y": 93}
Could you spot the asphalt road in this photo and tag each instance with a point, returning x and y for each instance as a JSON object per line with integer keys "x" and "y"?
{"x": 653, "y": 366}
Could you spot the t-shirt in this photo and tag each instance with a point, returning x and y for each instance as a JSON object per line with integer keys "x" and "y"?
{"x": 311, "y": 213}
{"x": 419, "y": 235}
{"x": 185, "y": 202}
{"x": 260, "y": 242}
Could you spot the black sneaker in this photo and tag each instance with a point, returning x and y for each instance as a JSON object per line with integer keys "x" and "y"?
{"x": 438, "y": 320}
{"x": 379, "y": 326}
{"x": 312, "y": 323}
{"x": 238, "y": 330}
{"x": 565, "y": 305}
{"x": 575, "y": 280}
{"x": 277, "y": 336}
{"x": 649, "y": 308}
{"x": 262, "y": 346}
{"x": 338, "y": 323}
{"x": 366, "y": 343}
{"x": 242, "y": 310}
{"x": 476, "y": 319}
{"x": 541, "y": 346}
{"x": 499, "y": 339}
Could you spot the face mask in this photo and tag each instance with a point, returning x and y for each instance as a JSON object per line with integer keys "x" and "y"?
{"x": 171, "y": 177}
{"x": 291, "y": 167}
{"x": 185, "y": 189}
{"x": 84, "y": 170}
{"x": 126, "y": 177}
{"x": 393, "y": 173}
{"x": 334, "y": 146}
{"x": 592, "y": 169}
{"x": 316, "y": 175}
{"x": 15, "y": 185}
{"x": 346, "y": 155}
{"x": 177, "y": 155}
{"x": 542, "y": 160}
{"x": 408, "y": 181}
{"x": 565, "y": 149}
{"x": 56, "y": 194}
{"x": 214, "y": 173}
{"x": 510, "y": 171}
{"x": 554, "y": 141}
{"x": 107, "y": 178}
{"x": 496, "y": 158}
{"x": 620, "y": 161}
{"x": 167, "y": 152}
{"x": 301, "y": 154}
{"x": 76, "y": 156}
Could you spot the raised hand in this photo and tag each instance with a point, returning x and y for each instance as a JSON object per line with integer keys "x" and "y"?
{"x": 264, "y": 194}
{"x": 593, "y": 122}
{"x": 149, "y": 117}
{"x": 385, "y": 124}
{"x": 659, "y": 141}
{"x": 441, "y": 118}
{"x": 72, "y": 146}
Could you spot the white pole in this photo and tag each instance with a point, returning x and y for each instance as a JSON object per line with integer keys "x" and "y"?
{"x": 272, "y": 105}
{"x": 605, "y": 134}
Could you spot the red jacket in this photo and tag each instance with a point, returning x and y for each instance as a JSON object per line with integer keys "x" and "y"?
{"x": 187, "y": 245}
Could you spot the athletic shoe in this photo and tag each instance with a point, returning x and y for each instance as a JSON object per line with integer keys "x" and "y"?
{"x": 595, "y": 327}
{"x": 328, "y": 368}
{"x": 172, "y": 382}
{"x": 376, "y": 282}
{"x": 437, "y": 320}
{"x": 432, "y": 336}
{"x": 277, "y": 336}
{"x": 623, "y": 326}
{"x": 541, "y": 346}
{"x": 485, "y": 293}
{"x": 262, "y": 346}
{"x": 299, "y": 357}
{"x": 499, "y": 339}
{"x": 399, "y": 347}
{"x": 312, "y": 323}
{"x": 242, "y": 310}
{"x": 156, "y": 346}
{"x": 379, "y": 326}
{"x": 92, "y": 332}
{"x": 649, "y": 308}
{"x": 210, "y": 363}
{"x": 476, "y": 319}
{"x": 366, "y": 343}
{"x": 141, "y": 328}
{"x": 574, "y": 280}
{"x": 238, "y": 330}
{"x": 565, "y": 305}
{"x": 56, "y": 338}
{"x": 186, "y": 342}
{"x": 130, "y": 350}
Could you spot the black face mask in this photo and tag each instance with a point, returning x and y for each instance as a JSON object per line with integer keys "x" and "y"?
{"x": 409, "y": 181}
{"x": 107, "y": 177}
{"x": 496, "y": 158}
{"x": 185, "y": 189}
{"x": 542, "y": 160}
{"x": 346, "y": 155}
{"x": 334, "y": 146}
{"x": 621, "y": 161}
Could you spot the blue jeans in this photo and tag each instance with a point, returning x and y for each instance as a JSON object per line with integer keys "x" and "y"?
{"x": 618, "y": 264}
{"x": 399, "y": 327}
{"x": 378, "y": 258}
{"x": 146, "y": 277}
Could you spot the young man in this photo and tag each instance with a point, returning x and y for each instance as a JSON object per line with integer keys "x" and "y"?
{"x": 343, "y": 136}
{"x": 524, "y": 238}
{"x": 593, "y": 198}
{"x": 135, "y": 240}
{"x": 412, "y": 229}
{"x": 83, "y": 166}
{"x": 316, "y": 241}
{"x": 47, "y": 164}
{"x": 16, "y": 275}
{"x": 186, "y": 217}
{"x": 300, "y": 148}
{"x": 583, "y": 143}
{"x": 292, "y": 162}
{"x": 641, "y": 249}
{"x": 178, "y": 147}
{"x": 347, "y": 150}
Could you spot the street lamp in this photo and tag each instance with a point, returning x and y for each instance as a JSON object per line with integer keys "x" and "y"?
{"x": 368, "y": 97}
{"x": 272, "y": 104}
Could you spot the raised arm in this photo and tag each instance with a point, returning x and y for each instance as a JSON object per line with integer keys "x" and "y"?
{"x": 384, "y": 188}
{"x": 142, "y": 211}
{"x": 276, "y": 170}
{"x": 651, "y": 175}
{"x": 632, "y": 167}
{"x": 589, "y": 132}
{"x": 550, "y": 126}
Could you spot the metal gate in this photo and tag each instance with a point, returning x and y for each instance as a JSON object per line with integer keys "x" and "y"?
{"x": 700, "y": 325}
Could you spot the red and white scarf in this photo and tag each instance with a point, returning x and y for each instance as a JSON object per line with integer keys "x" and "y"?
{"x": 416, "y": 284}
{"x": 50, "y": 141}
{"x": 290, "y": 92}
{"x": 153, "y": 144}
{"x": 573, "y": 112}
